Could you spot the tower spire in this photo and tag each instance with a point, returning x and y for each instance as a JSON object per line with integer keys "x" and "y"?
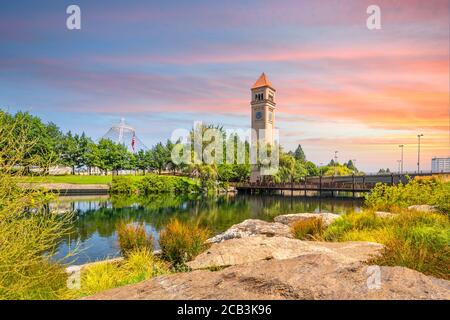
{"x": 262, "y": 81}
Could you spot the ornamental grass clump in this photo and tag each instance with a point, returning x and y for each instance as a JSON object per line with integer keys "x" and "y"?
{"x": 308, "y": 229}
{"x": 132, "y": 237}
{"x": 412, "y": 239}
{"x": 181, "y": 242}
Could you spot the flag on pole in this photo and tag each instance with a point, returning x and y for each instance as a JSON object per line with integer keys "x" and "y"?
{"x": 133, "y": 141}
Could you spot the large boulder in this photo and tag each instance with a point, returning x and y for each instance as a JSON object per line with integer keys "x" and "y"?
{"x": 423, "y": 208}
{"x": 310, "y": 276}
{"x": 253, "y": 227}
{"x": 240, "y": 251}
{"x": 290, "y": 219}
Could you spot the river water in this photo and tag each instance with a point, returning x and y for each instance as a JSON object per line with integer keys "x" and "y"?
{"x": 94, "y": 228}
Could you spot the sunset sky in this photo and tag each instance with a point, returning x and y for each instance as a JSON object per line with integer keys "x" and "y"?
{"x": 165, "y": 64}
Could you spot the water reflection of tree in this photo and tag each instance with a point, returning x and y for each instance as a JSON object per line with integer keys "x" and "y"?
{"x": 218, "y": 214}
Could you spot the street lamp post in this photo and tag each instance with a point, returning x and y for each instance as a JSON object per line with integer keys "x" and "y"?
{"x": 401, "y": 169}
{"x": 418, "y": 153}
{"x": 335, "y": 162}
{"x": 399, "y": 162}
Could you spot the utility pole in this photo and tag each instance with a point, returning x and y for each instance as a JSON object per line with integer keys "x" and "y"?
{"x": 399, "y": 162}
{"x": 335, "y": 161}
{"x": 418, "y": 153}
{"x": 401, "y": 169}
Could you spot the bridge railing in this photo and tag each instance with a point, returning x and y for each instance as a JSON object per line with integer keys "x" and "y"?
{"x": 308, "y": 186}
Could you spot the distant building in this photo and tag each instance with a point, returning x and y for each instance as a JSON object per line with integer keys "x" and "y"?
{"x": 440, "y": 164}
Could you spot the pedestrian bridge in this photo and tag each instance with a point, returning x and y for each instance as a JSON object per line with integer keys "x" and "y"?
{"x": 334, "y": 184}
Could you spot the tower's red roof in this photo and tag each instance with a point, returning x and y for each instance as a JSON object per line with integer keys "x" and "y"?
{"x": 262, "y": 82}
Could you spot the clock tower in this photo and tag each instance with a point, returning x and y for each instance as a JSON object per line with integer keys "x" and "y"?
{"x": 263, "y": 109}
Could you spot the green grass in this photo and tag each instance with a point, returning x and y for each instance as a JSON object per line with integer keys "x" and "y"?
{"x": 138, "y": 266}
{"x": 416, "y": 240}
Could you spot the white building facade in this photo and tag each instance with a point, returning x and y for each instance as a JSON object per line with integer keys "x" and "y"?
{"x": 440, "y": 164}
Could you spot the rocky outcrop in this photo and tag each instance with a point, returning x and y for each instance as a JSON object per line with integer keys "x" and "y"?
{"x": 253, "y": 227}
{"x": 289, "y": 219}
{"x": 423, "y": 208}
{"x": 310, "y": 276}
{"x": 256, "y": 248}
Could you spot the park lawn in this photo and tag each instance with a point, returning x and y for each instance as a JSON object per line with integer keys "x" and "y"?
{"x": 74, "y": 179}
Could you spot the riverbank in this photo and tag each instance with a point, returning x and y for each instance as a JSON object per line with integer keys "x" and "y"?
{"x": 68, "y": 179}
{"x": 69, "y": 189}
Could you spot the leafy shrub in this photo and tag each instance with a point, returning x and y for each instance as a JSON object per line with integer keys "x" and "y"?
{"x": 308, "y": 228}
{"x": 133, "y": 237}
{"x": 138, "y": 266}
{"x": 417, "y": 240}
{"x": 181, "y": 242}
{"x": 432, "y": 191}
{"x": 123, "y": 185}
{"x": 152, "y": 183}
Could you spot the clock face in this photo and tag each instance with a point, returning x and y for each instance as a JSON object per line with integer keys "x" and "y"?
{"x": 258, "y": 115}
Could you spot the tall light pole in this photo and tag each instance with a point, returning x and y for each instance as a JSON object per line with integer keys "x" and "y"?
{"x": 401, "y": 169}
{"x": 418, "y": 153}
{"x": 335, "y": 161}
{"x": 399, "y": 162}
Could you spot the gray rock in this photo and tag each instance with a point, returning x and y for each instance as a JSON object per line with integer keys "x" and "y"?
{"x": 423, "y": 208}
{"x": 312, "y": 276}
{"x": 253, "y": 227}
{"x": 240, "y": 251}
{"x": 289, "y": 219}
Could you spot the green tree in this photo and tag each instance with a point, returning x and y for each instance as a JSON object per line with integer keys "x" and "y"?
{"x": 338, "y": 170}
{"x": 351, "y": 166}
{"x": 299, "y": 155}
{"x": 43, "y": 152}
{"x": 160, "y": 157}
{"x": 300, "y": 171}
{"x": 312, "y": 169}
{"x": 113, "y": 156}
{"x": 141, "y": 160}
{"x": 92, "y": 156}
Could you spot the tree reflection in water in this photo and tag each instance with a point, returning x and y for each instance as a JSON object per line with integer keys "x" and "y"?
{"x": 96, "y": 217}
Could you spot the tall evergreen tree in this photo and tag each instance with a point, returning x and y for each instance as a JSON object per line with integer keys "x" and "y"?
{"x": 299, "y": 154}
